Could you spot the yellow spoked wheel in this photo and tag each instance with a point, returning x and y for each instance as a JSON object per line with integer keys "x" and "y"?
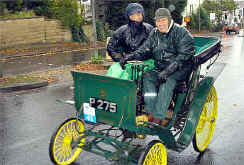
{"x": 206, "y": 125}
{"x": 155, "y": 154}
{"x": 66, "y": 142}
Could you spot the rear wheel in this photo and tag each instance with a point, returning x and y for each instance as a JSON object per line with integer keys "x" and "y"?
{"x": 206, "y": 125}
{"x": 66, "y": 142}
{"x": 155, "y": 154}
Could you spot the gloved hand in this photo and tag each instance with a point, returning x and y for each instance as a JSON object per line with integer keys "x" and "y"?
{"x": 123, "y": 60}
{"x": 163, "y": 75}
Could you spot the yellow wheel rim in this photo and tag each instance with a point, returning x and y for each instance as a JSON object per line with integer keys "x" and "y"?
{"x": 207, "y": 121}
{"x": 62, "y": 151}
{"x": 156, "y": 155}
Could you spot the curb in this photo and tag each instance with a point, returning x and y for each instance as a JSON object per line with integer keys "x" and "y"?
{"x": 24, "y": 87}
{"x": 46, "y": 53}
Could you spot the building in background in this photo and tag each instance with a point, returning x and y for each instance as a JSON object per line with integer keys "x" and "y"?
{"x": 240, "y": 11}
{"x": 87, "y": 9}
{"x": 192, "y": 6}
{"x": 236, "y": 16}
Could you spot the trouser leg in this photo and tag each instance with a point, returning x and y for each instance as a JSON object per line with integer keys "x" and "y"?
{"x": 150, "y": 91}
{"x": 163, "y": 99}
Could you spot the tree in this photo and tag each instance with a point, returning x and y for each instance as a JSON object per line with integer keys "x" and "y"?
{"x": 2, "y": 8}
{"x": 228, "y": 5}
{"x": 115, "y": 11}
{"x": 205, "y": 20}
{"x": 43, "y": 8}
{"x": 67, "y": 12}
{"x": 218, "y": 7}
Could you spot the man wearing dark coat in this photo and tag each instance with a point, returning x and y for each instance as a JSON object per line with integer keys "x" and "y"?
{"x": 172, "y": 49}
{"x": 129, "y": 37}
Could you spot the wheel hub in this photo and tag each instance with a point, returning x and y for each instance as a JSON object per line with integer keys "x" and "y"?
{"x": 67, "y": 140}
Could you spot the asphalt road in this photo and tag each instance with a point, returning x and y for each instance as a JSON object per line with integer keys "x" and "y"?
{"x": 28, "y": 119}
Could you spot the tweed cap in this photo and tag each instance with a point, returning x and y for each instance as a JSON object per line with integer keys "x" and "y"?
{"x": 162, "y": 13}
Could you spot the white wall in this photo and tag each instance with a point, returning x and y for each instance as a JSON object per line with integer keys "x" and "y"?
{"x": 192, "y": 6}
{"x": 87, "y": 6}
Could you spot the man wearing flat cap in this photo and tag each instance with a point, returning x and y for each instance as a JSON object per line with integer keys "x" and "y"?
{"x": 129, "y": 37}
{"x": 172, "y": 48}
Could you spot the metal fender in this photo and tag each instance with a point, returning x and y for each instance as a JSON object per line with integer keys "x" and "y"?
{"x": 195, "y": 109}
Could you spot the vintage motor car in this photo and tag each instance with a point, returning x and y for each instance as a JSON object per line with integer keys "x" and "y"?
{"x": 107, "y": 109}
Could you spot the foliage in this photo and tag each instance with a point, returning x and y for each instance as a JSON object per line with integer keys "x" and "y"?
{"x": 97, "y": 59}
{"x": 2, "y": 8}
{"x": 15, "y": 6}
{"x": 115, "y": 12}
{"x": 20, "y": 14}
{"x": 12, "y": 6}
{"x": 67, "y": 12}
{"x": 102, "y": 30}
{"x": 44, "y": 8}
{"x": 218, "y": 7}
{"x": 64, "y": 10}
{"x": 204, "y": 20}
{"x": 228, "y": 5}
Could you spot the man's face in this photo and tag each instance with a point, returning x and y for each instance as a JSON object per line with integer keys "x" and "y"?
{"x": 162, "y": 24}
{"x": 137, "y": 17}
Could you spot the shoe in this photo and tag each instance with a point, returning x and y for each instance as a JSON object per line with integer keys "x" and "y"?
{"x": 157, "y": 121}
{"x": 164, "y": 122}
{"x": 168, "y": 117}
{"x": 150, "y": 117}
{"x": 153, "y": 120}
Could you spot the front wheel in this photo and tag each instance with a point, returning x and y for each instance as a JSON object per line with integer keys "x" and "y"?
{"x": 155, "y": 154}
{"x": 206, "y": 124}
{"x": 66, "y": 142}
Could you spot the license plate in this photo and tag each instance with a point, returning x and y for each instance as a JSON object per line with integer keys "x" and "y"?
{"x": 103, "y": 105}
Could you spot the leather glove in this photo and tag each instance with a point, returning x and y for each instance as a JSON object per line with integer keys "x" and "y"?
{"x": 163, "y": 75}
{"x": 123, "y": 60}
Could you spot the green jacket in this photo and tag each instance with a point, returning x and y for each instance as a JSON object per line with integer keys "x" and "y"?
{"x": 165, "y": 48}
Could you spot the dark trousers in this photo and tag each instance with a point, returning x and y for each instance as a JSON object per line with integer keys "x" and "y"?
{"x": 157, "y": 96}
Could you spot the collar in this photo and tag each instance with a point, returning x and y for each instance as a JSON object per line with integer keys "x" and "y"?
{"x": 170, "y": 26}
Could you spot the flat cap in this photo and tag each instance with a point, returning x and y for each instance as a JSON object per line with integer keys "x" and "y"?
{"x": 161, "y": 13}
